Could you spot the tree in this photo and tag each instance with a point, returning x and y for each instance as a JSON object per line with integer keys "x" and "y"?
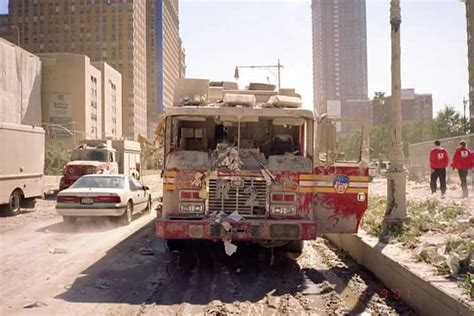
{"x": 449, "y": 123}
{"x": 56, "y": 156}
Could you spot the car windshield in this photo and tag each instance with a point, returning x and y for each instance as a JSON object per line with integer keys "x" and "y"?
{"x": 89, "y": 154}
{"x": 99, "y": 182}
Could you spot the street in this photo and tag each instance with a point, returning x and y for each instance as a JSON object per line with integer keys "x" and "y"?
{"x": 98, "y": 267}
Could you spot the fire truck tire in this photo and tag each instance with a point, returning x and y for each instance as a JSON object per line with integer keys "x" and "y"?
{"x": 69, "y": 220}
{"x": 126, "y": 217}
{"x": 294, "y": 246}
{"x": 176, "y": 244}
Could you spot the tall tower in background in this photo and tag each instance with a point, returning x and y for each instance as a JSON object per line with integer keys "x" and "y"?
{"x": 110, "y": 31}
{"x": 470, "y": 48}
{"x": 339, "y": 52}
{"x": 164, "y": 49}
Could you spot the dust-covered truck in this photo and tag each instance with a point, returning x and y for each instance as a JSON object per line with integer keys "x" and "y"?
{"x": 21, "y": 166}
{"x": 252, "y": 165}
{"x": 102, "y": 156}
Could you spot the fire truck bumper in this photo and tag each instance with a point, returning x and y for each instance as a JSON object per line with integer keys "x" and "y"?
{"x": 242, "y": 230}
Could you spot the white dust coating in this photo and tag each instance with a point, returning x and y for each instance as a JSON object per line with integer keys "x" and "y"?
{"x": 188, "y": 160}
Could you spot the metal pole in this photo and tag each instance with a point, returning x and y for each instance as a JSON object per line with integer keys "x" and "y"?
{"x": 464, "y": 102}
{"x": 395, "y": 213}
{"x": 279, "y": 74}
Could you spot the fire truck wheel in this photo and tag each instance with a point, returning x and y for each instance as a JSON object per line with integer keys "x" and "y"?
{"x": 126, "y": 218}
{"x": 176, "y": 244}
{"x": 69, "y": 220}
{"x": 14, "y": 203}
{"x": 294, "y": 246}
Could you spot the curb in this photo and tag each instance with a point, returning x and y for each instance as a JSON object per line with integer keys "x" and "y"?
{"x": 426, "y": 293}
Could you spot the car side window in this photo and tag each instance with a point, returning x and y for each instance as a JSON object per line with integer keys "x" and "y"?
{"x": 137, "y": 184}
{"x": 132, "y": 185}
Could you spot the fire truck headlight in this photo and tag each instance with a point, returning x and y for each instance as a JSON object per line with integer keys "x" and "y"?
{"x": 191, "y": 208}
{"x": 283, "y": 210}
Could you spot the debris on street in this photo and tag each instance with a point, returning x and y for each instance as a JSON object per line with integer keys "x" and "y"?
{"x": 35, "y": 304}
{"x": 57, "y": 250}
{"x": 146, "y": 251}
{"x": 230, "y": 248}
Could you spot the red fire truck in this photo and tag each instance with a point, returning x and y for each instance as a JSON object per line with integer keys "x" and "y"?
{"x": 252, "y": 165}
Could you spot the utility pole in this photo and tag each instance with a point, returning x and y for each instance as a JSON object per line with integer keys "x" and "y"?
{"x": 465, "y": 123}
{"x": 395, "y": 213}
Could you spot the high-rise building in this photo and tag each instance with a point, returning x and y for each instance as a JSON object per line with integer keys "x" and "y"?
{"x": 71, "y": 95}
{"x": 164, "y": 51}
{"x": 182, "y": 62}
{"x": 113, "y": 31}
{"x": 339, "y": 51}
{"x": 111, "y": 101}
{"x": 470, "y": 47}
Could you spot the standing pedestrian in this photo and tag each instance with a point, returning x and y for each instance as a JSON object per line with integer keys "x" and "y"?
{"x": 439, "y": 161}
{"x": 462, "y": 161}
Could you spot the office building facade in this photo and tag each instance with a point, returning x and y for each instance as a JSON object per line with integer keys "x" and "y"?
{"x": 415, "y": 108}
{"x": 113, "y": 31}
{"x": 164, "y": 50}
{"x": 339, "y": 51}
{"x": 71, "y": 97}
{"x": 111, "y": 101}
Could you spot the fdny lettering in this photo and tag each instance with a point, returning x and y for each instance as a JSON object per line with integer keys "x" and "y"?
{"x": 341, "y": 183}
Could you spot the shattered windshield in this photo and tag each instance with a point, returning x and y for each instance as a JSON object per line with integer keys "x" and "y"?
{"x": 89, "y": 154}
{"x": 238, "y": 144}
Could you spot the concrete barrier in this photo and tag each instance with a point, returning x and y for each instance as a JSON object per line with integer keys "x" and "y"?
{"x": 428, "y": 294}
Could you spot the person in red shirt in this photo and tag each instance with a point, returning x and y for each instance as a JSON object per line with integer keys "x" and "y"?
{"x": 439, "y": 161}
{"x": 462, "y": 161}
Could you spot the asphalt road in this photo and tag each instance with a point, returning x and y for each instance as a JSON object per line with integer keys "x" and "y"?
{"x": 100, "y": 268}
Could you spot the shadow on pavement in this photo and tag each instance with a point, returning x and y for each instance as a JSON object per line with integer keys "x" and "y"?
{"x": 200, "y": 274}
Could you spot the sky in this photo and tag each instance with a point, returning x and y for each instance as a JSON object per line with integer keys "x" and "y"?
{"x": 220, "y": 34}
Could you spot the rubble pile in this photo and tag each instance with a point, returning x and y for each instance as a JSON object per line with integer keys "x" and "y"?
{"x": 440, "y": 231}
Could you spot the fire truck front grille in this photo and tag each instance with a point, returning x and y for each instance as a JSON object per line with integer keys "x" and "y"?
{"x": 249, "y": 196}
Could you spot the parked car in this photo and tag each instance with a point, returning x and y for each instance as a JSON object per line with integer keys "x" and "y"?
{"x": 104, "y": 195}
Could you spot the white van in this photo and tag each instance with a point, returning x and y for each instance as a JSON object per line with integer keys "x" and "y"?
{"x": 21, "y": 165}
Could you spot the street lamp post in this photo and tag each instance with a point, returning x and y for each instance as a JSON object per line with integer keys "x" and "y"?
{"x": 464, "y": 102}
{"x": 395, "y": 213}
{"x": 267, "y": 67}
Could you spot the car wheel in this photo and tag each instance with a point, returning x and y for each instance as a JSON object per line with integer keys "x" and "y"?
{"x": 14, "y": 203}
{"x": 69, "y": 220}
{"x": 149, "y": 206}
{"x": 126, "y": 218}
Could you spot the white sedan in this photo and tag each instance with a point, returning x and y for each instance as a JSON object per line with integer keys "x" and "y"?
{"x": 104, "y": 195}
